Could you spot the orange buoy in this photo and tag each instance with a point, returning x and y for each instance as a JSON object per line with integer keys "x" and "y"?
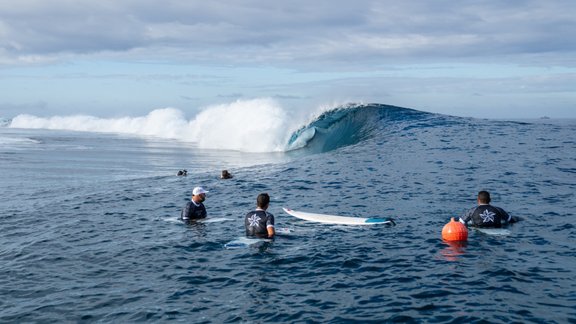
{"x": 454, "y": 231}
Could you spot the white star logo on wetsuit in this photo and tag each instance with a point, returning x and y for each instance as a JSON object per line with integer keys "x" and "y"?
{"x": 254, "y": 220}
{"x": 487, "y": 216}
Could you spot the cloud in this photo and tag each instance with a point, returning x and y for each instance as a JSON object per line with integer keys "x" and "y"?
{"x": 230, "y": 96}
{"x": 129, "y": 55}
{"x": 289, "y": 97}
{"x": 296, "y": 33}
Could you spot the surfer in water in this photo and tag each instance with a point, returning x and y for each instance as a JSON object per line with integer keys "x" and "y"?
{"x": 225, "y": 175}
{"x": 195, "y": 209}
{"x": 259, "y": 222}
{"x": 486, "y": 215}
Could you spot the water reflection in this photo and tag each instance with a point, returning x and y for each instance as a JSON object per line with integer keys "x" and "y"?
{"x": 453, "y": 250}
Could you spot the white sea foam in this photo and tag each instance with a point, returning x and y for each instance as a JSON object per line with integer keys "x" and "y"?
{"x": 165, "y": 123}
{"x": 5, "y": 141}
{"x": 258, "y": 125}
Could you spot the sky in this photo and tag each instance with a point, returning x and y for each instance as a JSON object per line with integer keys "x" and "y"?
{"x": 106, "y": 58}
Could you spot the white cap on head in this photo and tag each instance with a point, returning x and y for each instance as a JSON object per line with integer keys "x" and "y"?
{"x": 198, "y": 191}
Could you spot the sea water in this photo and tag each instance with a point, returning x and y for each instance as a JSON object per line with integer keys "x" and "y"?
{"x": 90, "y": 229}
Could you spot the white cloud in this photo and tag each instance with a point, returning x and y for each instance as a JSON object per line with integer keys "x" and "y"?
{"x": 286, "y": 31}
{"x": 348, "y": 49}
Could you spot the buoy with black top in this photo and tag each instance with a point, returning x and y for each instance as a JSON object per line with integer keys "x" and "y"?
{"x": 454, "y": 231}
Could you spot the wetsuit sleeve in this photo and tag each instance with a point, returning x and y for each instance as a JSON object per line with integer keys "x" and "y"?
{"x": 270, "y": 225}
{"x": 247, "y": 222}
{"x": 505, "y": 216}
{"x": 270, "y": 221}
{"x": 467, "y": 217}
{"x": 186, "y": 211}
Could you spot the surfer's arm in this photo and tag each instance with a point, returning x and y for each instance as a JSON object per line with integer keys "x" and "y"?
{"x": 465, "y": 219}
{"x": 270, "y": 225}
{"x": 186, "y": 211}
{"x": 508, "y": 219}
{"x": 271, "y": 231}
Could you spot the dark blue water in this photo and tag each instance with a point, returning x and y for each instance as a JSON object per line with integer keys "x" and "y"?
{"x": 90, "y": 230}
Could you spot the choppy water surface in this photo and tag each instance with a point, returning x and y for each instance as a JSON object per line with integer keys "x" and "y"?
{"x": 90, "y": 230}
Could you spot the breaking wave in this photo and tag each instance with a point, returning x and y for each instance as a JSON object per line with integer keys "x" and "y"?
{"x": 258, "y": 125}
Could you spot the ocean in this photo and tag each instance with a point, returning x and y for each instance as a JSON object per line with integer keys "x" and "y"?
{"x": 90, "y": 208}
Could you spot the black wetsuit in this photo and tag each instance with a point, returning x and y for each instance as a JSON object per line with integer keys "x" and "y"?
{"x": 486, "y": 216}
{"x": 257, "y": 223}
{"x": 193, "y": 211}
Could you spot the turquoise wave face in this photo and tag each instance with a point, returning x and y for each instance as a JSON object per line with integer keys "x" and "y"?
{"x": 349, "y": 125}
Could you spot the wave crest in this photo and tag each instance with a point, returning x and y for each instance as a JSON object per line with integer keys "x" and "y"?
{"x": 348, "y": 125}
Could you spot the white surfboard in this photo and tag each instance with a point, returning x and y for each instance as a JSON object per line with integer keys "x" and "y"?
{"x": 493, "y": 231}
{"x": 333, "y": 219}
{"x": 214, "y": 220}
{"x": 245, "y": 242}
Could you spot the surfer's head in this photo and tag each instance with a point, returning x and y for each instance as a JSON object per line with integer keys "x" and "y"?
{"x": 483, "y": 197}
{"x": 199, "y": 194}
{"x": 225, "y": 175}
{"x": 263, "y": 200}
